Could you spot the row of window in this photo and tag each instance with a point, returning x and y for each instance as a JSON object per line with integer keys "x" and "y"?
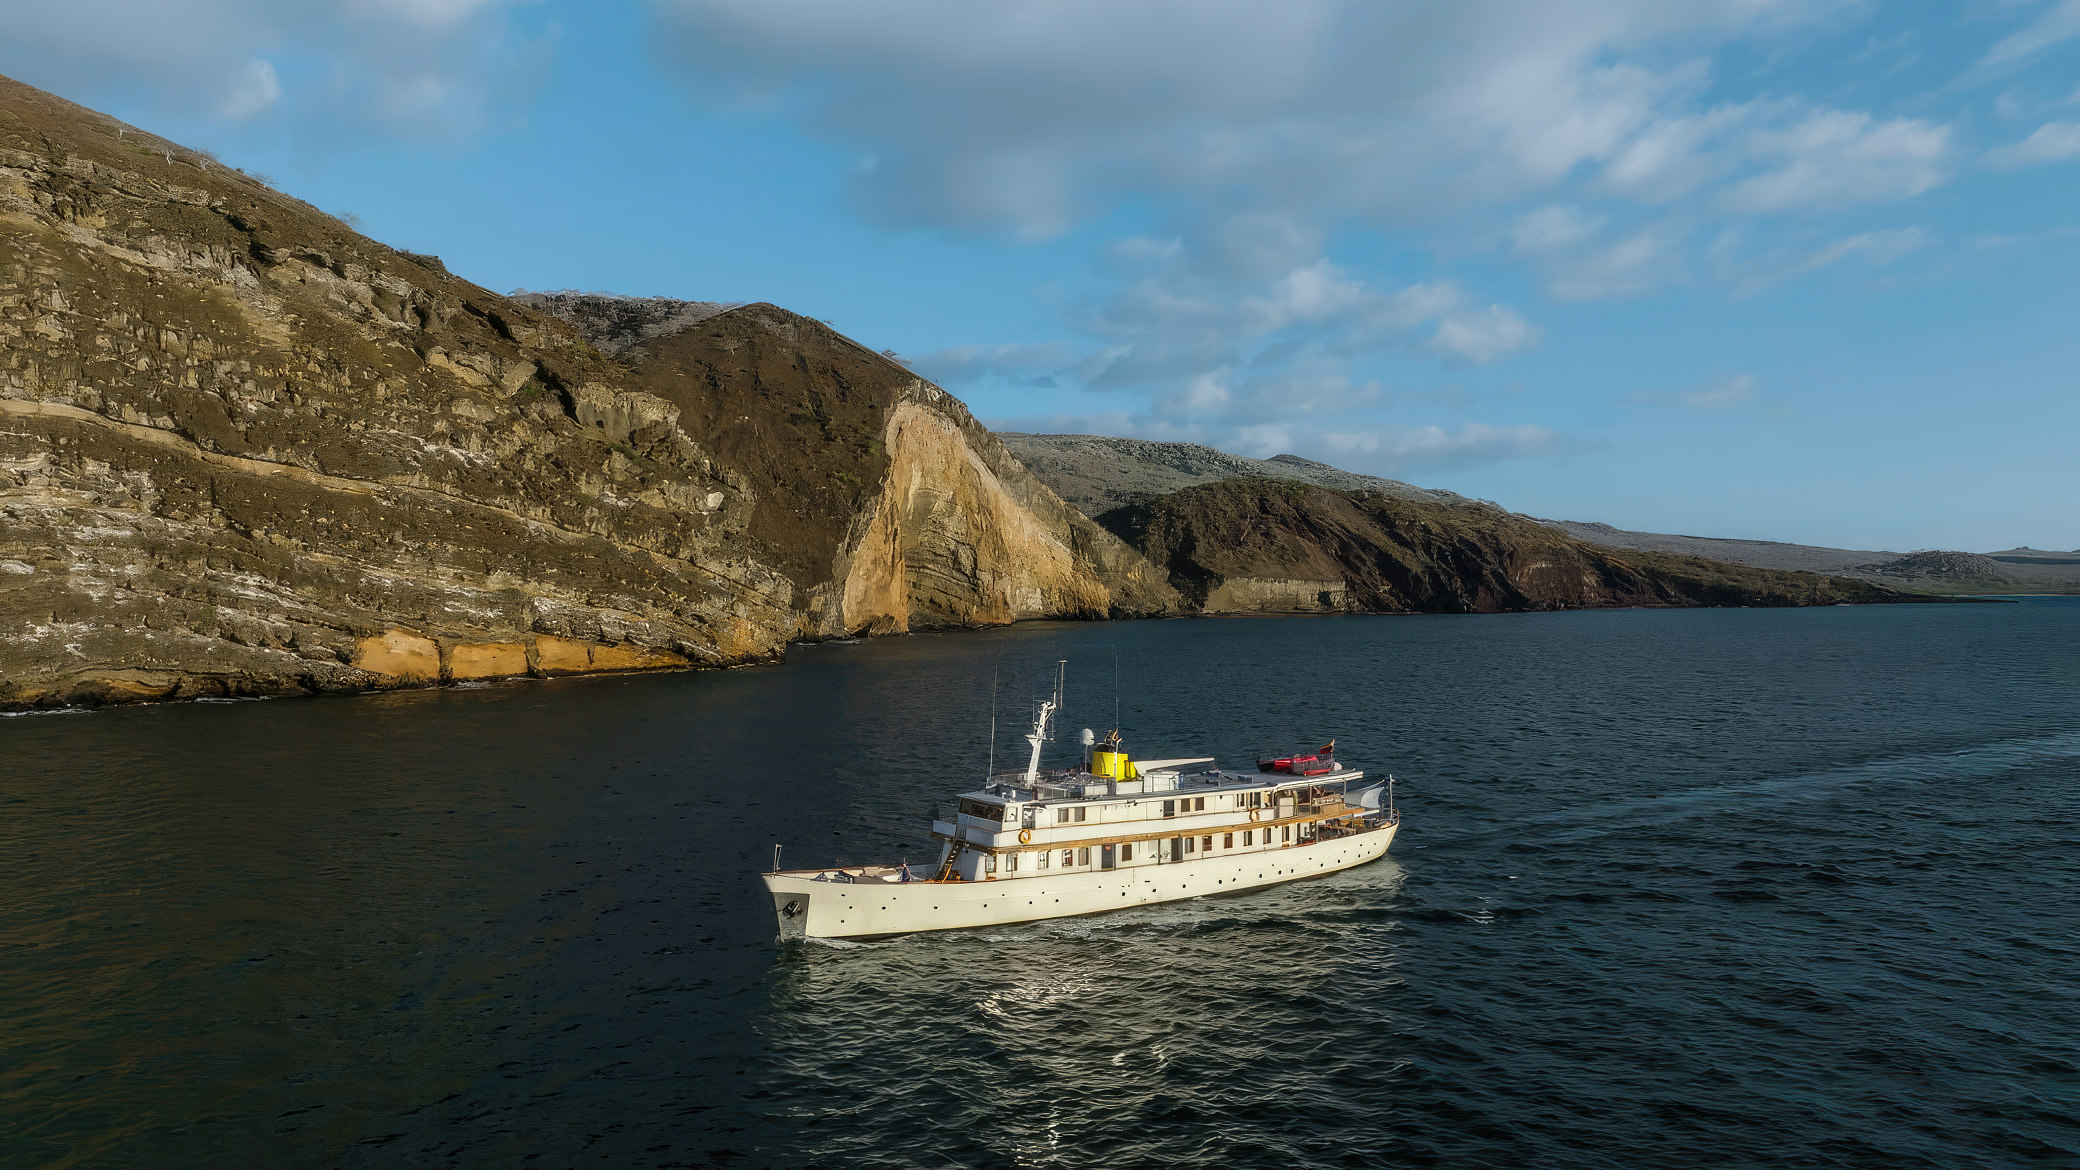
{"x": 1071, "y": 858}
{"x": 1171, "y": 808}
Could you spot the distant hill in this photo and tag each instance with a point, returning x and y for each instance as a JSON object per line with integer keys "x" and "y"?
{"x": 1763, "y": 554}
{"x": 1099, "y": 473}
{"x": 1936, "y": 571}
{"x": 1267, "y": 545}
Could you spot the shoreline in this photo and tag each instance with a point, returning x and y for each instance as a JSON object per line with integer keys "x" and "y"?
{"x": 133, "y": 687}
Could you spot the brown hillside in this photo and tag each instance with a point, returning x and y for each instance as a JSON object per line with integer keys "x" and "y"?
{"x": 245, "y": 450}
{"x": 1272, "y": 545}
{"x": 833, "y": 437}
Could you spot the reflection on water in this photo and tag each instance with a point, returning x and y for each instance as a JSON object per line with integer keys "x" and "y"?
{"x": 1075, "y": 1024}
{"x": 1674, "y": 888}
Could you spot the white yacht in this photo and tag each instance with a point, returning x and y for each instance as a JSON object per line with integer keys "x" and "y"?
{"x": 1113, "y": 833}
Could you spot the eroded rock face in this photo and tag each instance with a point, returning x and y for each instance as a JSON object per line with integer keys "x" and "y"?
{"x": 244, "y": 450}
{"x": 240, "y": 446}
{"x": 948, "y": 544}
{"x": 878, "y": 493}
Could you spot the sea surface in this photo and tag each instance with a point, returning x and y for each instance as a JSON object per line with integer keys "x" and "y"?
{"x": 1775, "y": 888}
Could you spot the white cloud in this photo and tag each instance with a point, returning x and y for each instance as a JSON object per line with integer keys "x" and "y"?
{"x": 1878, "y": 248}
{"x": 398, "y": 68}
{"x": 1551, "y": 230}
{"x": 964, "y": 363}
{"x": 1029, "y": 115}
{"x": 1721, "y": 394}
{"x": 253, "y": 89}
{"x": 427, "y": 14}
{"x": 2051, "y": 142}
{"x": 2060, "y": 23}
{"x": 1404, "y": 449}
{"x": 1187, "y": 309}
{"x": 1482, "y": 336}
{"x": 1580, "y": 264}
{"x": 1832, "y": 158}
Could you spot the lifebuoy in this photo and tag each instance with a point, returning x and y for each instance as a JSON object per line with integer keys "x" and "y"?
{"x": 1025, "y": 836}
{"x": 1253, "y": 814}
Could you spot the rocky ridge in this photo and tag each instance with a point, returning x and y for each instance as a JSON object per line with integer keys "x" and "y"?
{"x": 244, "y": 450}
{"x": 1276, "y": 546}
{"x": 1099, "y": 473}
{"x": 877, "y": 492}
{"x": 614, "y": 323}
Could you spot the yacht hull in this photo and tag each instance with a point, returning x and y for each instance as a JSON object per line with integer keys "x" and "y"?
{"x": 807, "y": 908}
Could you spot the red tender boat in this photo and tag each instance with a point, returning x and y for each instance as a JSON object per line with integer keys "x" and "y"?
{"x": 1315, "y": 763}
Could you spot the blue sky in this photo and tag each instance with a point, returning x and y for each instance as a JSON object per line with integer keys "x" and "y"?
{"x": 1785, "y": 271}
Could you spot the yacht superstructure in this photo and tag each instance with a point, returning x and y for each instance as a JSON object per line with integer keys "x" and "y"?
{"x": 1112, "y": 833}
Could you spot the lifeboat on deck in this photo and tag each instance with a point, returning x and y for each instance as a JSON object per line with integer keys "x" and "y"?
{"x": 1320, "y": 761}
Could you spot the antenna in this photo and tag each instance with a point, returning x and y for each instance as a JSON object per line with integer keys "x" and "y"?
{"x": 998, "y": 669}
{"x": 1115, "y": 688}
{"x": 1061, "y": 679}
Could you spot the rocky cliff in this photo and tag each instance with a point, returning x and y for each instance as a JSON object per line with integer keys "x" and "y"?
{"x": 876, "y": 492}
{"x": 1261, "y": 545}
{"x": 244, "y": 450}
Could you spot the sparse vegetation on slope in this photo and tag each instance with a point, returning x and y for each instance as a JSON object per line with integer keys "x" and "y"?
{"x": 1272, "y": 545}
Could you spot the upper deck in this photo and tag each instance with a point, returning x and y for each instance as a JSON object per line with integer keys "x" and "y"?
{"x": 1074, "y": 808}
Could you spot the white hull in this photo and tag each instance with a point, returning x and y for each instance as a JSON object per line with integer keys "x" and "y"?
{"x": 825, "y": 909}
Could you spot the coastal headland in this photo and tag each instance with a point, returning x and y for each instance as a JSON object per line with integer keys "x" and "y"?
{"x": 245, "y": 450}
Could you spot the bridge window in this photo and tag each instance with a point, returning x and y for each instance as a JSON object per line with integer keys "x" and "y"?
{"x": 1169, "y": 808}
{"x": 1198, "y": 804}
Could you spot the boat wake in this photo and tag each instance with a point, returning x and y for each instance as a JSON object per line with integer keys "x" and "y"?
{"x": 1917, "y": 770}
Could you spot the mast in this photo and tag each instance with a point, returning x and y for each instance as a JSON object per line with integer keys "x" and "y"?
{"x": 1039, "y": 734}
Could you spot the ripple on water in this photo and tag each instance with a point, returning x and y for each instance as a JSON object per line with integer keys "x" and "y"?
{"x": 1686, "y": 888}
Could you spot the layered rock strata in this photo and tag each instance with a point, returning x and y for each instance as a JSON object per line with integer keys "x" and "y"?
{"x": 244, "y": 450}
{"x": 877, "y": 492}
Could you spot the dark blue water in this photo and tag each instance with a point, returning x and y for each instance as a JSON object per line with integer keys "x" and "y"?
{"x": 1731, "y": 887}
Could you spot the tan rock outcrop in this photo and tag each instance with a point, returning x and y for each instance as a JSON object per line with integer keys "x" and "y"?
{"x": 399, "y": 655}
{"x": 554, "y": 655}
{"x": 946, "y": 544}
{"x": 635, "y": 658}
{"x": 473, "y": 660}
